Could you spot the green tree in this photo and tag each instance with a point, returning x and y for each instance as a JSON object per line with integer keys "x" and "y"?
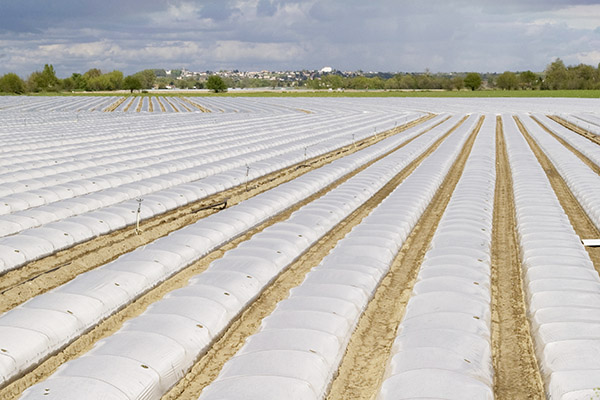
{"x": 458, "y": 82}
{"x": 528, "y": 80}
{"x": 507, "y": 81}
{"x": 131, "y": 83}
{"x": 43, "y": 81}
{"x": 555, "y": 75}
{"x": 473, "y": 80}
{"x": 146, "y": 78}
{"x": 216, "y": 84}
{"x": 12, "y": 83}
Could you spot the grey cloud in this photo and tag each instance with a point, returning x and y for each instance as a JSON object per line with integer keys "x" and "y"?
{"x": 385, "y": 35}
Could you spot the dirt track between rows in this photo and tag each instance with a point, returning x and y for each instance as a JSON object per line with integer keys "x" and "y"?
{"x": 516, "y": 373}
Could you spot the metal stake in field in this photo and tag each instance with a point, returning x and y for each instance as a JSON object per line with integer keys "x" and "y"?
{"x": 353, "y": 141}
{"x": 247, "y": 175}
{"x": 137, "y": 219}
{"x": 305, "y": 148}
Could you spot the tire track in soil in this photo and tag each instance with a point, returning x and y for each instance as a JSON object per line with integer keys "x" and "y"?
{"x": 113, "y": 323}
{"x": 362, "y": 368}
{"x": 516, "y": 373}
{"x": 210, "y": 364}
{"x": 37, "y": 277}
{"x": 583, "y": 225}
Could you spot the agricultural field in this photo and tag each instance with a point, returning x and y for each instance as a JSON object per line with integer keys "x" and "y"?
{"x": 299, "y": 248}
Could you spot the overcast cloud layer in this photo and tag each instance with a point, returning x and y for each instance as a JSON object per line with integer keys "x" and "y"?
{"x": 377, "y": 35}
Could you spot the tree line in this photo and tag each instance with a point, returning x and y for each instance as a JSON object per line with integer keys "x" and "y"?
{"x": 556, "y": 76}
{"x": 92, "y": 80}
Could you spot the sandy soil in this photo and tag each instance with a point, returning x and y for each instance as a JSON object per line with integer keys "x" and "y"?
{"x": 516, "y": 374}
{"x": 125, "y": 240}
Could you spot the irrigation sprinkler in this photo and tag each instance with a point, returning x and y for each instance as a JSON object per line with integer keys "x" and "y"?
{"x": 137, "y": 218}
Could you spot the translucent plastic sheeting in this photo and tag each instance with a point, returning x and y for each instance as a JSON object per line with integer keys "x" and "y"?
{"x": 354, "y": 268}
{"x": 235, "y": 288}
{"x": 115, "y": 215}
{"x": 562, "y": 286}
{"x": 443, "y": 347}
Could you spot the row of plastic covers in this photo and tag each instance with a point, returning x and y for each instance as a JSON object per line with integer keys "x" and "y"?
{"x": 583, "y": 182}
{"x": 580, "y": 143}
{"x": 53, "y": 319}
{"x": 103, "y": 160}
{"x": 587, "y": 121}
{"x": 298, "y": 348}
{"x": 109, "y": 145}
{"x": 85, "y": 217}
{"x": 186, "y": 321}
{"x": 184, "y": 163}
{"x": 60, "y": 103}
{"x": 562, "y": 286}
{"x": 443, "y": 344}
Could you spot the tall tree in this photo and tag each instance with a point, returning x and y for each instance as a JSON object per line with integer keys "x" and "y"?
{"x": 132, "y": 83}
{"x": 45, "y": 80}
{"x": 555, "y": 75}
{"x": 216, "y": 84}
{"x": 473, "y": 80}
{"x": 146, "y": 77}
{"x": 507, "y": 80}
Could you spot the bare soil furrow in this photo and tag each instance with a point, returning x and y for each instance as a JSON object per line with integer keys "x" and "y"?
{"x": 516, "y": 373}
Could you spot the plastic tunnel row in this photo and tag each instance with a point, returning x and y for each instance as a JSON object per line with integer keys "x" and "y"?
{"x": 299, "y": 346}
{"x": 216, "y": 296}
{"x": 583, "y": 182}
{"x": 562, "y": 286}
{"x": 34, "y": 208}
{"x": 91, "y": 160}
{"x": 53, "y": 319}
{"x": 75, "y": 225}
{"x": 443, "y": 344}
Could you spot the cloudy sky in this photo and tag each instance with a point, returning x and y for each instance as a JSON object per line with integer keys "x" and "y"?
{"x": 375, "y": 35}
